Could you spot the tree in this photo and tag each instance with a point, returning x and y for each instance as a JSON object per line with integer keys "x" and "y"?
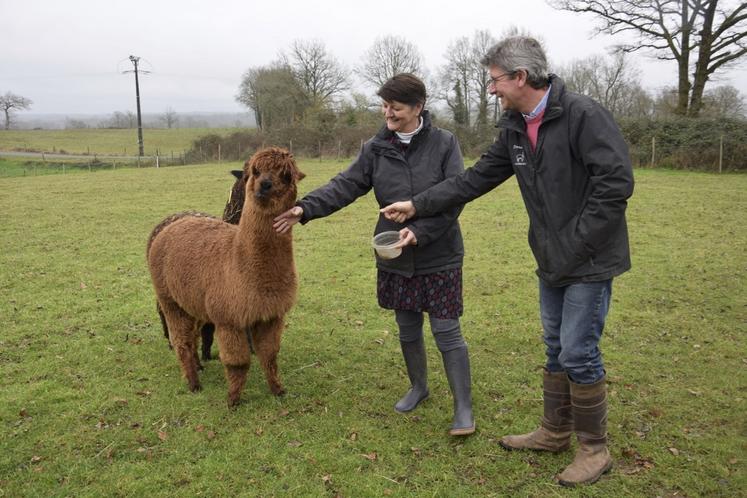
{"x": 611, "y": 81}
{"x": 273, "y": 93}
{"x": 169, "y": 117}
{"x": 320, "y": 75}
{"x": 11, "y": 102}
{"x": 698, "y": 35}
{"x": 464, "y": 79}
{"x": 457, "y": 76}
{"x": 388, "y": 56}
{"x": 482, "y": 40}
{"x": 723, "y": 102}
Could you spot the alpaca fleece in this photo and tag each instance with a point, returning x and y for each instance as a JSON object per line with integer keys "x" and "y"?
{"x": 241, "y": 278}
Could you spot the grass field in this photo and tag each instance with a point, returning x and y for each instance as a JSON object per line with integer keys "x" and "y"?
{"x": 92, "y": 403}
{"x": 102, "y": 141}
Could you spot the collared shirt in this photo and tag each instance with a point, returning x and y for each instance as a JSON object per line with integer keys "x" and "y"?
{"x": 534, "y": 119}
{"x": 540, "y": 107}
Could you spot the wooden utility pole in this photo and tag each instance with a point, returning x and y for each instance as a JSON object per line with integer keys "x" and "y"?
{"x": 135, "y": 61}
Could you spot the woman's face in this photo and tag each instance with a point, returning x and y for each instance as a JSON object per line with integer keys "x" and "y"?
{"x": 400, "y": 117}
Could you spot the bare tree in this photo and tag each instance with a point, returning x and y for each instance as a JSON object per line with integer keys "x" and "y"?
{"x": 11, "y": 102}
{"x": 320, "y": 75}
{"x": 456, "y": 80}
{"x": 701, "y": 37}
{"x": 169, "y": 117}
{"x": 388, "y": 56}
{"x": 482, "y": 40}
{"x": 611, "y": 81}
{"x": 724, "y": 102}
{"x": 463, "y": 80}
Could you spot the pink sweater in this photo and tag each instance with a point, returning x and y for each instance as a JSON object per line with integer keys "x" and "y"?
{"x": 533, "y": 128}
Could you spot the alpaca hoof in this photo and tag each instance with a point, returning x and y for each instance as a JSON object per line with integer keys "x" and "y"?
{"x": 234, "y": 402}
{"x": 195, "y": 387}
{"x": 277, "y": 390}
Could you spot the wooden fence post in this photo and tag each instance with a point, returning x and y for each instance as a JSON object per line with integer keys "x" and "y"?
{"x": 653, "y": 151}
{"x": 720, "y": 153}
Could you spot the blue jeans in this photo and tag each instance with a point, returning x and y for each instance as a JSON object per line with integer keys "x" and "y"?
{"x": 573, "y": 320}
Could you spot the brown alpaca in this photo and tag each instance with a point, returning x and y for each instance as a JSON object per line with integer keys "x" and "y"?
{"x": 240, "y": 278}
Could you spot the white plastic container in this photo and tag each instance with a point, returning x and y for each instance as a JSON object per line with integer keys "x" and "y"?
{"x": 384, "y": 243}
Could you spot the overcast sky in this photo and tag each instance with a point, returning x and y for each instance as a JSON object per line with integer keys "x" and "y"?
{"x": 69, "y": 56}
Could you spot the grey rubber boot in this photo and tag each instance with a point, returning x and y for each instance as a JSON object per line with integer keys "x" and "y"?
{"x": 417, "y": 370}
{"x": 456, "y": 364}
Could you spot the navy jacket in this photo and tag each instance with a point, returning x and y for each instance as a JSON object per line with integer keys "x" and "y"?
{"x": 575, "y": 187}
{"x": 432, "y": 156}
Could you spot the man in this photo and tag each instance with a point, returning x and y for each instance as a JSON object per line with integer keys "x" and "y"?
{"x": 575, "y": 176}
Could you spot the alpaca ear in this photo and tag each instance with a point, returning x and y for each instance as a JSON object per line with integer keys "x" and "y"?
{"x": 238, "y": 173}
{"x": 300, "y": 175}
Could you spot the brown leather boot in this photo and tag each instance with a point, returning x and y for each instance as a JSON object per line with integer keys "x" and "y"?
{"x": 589, "y": 407}
{"x": 554, "y": 433}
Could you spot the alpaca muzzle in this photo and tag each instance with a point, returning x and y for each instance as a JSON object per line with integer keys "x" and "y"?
{"x": 265, "y": 187}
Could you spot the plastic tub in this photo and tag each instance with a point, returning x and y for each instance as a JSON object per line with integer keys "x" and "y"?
{"x": 384, "y": 243}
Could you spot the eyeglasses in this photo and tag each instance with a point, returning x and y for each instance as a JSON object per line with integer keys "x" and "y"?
{"x": 494, "y": 80}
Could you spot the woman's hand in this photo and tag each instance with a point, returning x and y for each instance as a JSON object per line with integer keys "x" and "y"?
{"x": 407, "y": 237}
{"x": 399, "y": 211}
{"x": 285, "y": 221}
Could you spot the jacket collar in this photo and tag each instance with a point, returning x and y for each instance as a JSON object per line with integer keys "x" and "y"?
{"x": 515, "y": 121}
{"x": 386, "y": 134}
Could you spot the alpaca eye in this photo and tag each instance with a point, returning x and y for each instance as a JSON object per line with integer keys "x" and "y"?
{"x": 255, "y": 172}
{"x": 287, "y": 177}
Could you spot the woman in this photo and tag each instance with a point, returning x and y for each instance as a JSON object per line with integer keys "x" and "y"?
{"x": 407, "y": 156}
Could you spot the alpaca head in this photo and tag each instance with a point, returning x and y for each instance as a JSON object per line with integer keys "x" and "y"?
{"x": 271, "y": 177}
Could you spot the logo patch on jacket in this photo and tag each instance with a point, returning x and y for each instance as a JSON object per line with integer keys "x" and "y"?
{"x": 520, "y": 158}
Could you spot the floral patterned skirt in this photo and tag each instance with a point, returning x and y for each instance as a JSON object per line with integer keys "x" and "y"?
{"x": 439, "y": 294}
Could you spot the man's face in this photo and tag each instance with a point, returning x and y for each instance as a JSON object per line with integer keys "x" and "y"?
{"x": 503, "y": 84}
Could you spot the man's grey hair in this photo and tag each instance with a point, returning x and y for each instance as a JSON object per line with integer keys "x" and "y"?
{"x": 520, "y": 52}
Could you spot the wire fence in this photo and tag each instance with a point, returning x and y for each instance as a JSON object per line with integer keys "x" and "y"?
{"x": 721, "y": 154}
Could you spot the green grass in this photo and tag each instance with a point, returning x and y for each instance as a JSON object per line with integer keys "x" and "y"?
{"x": 102, "y": 141}
{"x": 92, "y": 403}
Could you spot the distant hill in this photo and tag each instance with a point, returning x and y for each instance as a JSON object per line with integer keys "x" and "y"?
{"x": 30, "y": 120}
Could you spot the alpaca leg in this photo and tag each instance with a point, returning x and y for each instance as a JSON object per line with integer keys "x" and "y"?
{"x": 266, "y": 341}
{"x": 183, "y": 337}
{"x": 233, "y": 347}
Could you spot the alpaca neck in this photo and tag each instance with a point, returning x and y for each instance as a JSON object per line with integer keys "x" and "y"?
{"x": 261, "y": 242}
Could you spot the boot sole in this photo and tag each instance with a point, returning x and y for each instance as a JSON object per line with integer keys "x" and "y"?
{"x": 464, "y": 431}
{"x": 569, "y": 484}
{"x": 511, "y": 448}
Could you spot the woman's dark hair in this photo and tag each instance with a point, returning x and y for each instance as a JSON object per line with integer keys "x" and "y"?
{"x": 404, "y": 87}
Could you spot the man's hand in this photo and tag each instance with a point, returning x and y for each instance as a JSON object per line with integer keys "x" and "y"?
{"x": 285, "y": 221}
{"x": 406, "y": 238}
{"x": 399, "y": 211}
